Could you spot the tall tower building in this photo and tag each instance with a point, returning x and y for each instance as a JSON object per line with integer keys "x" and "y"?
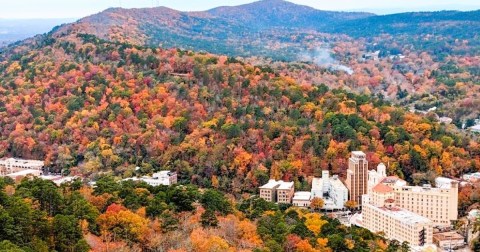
{"x": 357, "y": 175}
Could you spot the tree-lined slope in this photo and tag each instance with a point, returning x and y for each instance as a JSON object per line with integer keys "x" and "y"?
{"x": 90, "y": 105}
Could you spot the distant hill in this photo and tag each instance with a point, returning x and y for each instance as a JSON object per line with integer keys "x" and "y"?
{"x": 251, "y": 29}
{"x": 274, "y": 28}
{"x": 451, "y": 23}
{"x": 267, "y": 14}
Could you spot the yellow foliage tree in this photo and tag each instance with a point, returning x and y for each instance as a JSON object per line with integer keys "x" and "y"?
{"x": 314, "y": 222}
{"x": 204, "y": 242}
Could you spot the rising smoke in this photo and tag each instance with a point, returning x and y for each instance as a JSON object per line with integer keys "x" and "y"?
{"x": 322, "y": 57}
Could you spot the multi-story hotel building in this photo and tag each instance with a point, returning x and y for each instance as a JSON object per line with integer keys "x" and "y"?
{"x": 357, "y": 176}
{"x": 397, "y": 223}
{"x": 438, "y": 204}
{"x": 277, "y": 191}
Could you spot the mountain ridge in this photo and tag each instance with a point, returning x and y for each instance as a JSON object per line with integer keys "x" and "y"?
{"x": 271, "y": 28}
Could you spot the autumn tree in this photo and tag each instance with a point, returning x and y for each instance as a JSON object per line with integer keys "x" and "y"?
{"x": 317, "y": 203}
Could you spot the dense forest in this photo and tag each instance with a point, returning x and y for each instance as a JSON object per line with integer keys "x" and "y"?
{"x": 421, "y": 60}
{"x": 111, "y": 100}
{"x": 37, "y": 216}
{"x": 89, "y": 106}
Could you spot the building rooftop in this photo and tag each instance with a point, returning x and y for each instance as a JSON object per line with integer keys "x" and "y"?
{"x": 475, "y": 175}
{"x": 272, "y": 183}
{"x": 24, "y": 173}
{"x": 473, "y": 214}
{"x": 302, "y": 196}
{"x": 403, "y": 215}
{"x": 356, "y": 219}
{"x": 358, "y": 153}
{"x": 425, "y": 188}
{"x": 382, "y": 188}
{"x": 336, "y": 182}
{"x": 18, "y": 161}
{"x": 285, "y": 185}
{"x": 163, "y": 174}
{"x": 58, "y": 180}
{"x": 448, "y": 236}
{"x": 442, "y": 182}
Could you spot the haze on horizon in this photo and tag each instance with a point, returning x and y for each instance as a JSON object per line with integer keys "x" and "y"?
{"x": 31, "y": 9}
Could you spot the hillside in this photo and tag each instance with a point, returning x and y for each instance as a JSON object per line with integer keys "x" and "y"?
{"x": 89, "y": 106}
{"x": 101, "y": 107}
{"x": 424, "y": 59}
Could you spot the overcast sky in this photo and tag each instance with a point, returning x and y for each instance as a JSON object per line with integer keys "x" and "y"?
{"x": 81, "y": 8}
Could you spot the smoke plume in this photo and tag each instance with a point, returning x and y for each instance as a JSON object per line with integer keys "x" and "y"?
{"x": 322, "y": 57}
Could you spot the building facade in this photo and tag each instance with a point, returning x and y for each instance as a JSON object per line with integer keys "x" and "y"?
{"x": 357, "y": 174}
{"x": 398, "y": 224}
{"x": 14, "y": 165}
{"x": 338, "y": 192}
{"x": 166, "y": 178}
{"x": 277, "y": 191}
{"x": 285, "y": 192}
{"x": 268, "y": 191}
{"x": 438, "y": 204}
{"x": 302, "y": 199}
{"x": 376, "y": 176}
{"x": 331, "y": 189}
{"x": 448, "y": 240}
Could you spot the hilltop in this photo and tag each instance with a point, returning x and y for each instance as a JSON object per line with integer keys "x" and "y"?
{"x": 272, "y": 28}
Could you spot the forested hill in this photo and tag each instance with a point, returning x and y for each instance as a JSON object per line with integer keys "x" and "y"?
{"x": 273, "y": 28}
{"x": 444, "y": 23}
{"x": 89, "y": 105}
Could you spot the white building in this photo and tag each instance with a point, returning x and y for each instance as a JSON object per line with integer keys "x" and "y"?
{"x": 338, "y": 192}
{"x": 14, "y": 165}
{"x": 160, "y": 178}
{"x": 376, "y": 176}
{"x": 475, "y": 128}
{"x": 331, "y": 189}
{"x": 59, "y": 180}
{"x": 302, "y": 199}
